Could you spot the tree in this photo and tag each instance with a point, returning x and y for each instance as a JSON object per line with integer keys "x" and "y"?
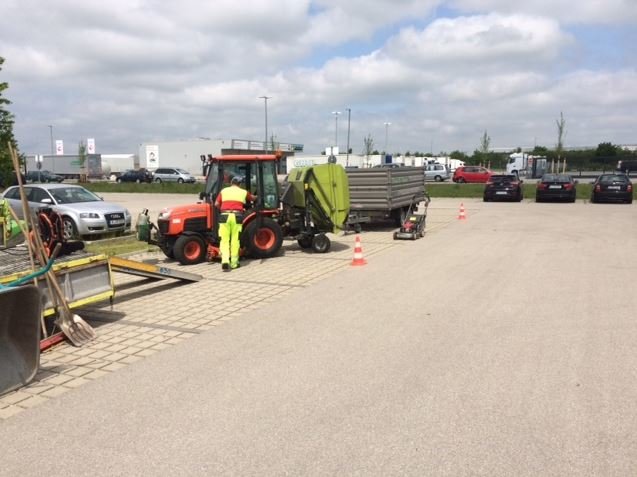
{"x": 6, "y": 135}
{"x": 561, "y": 132}
{"x": 81, "y": 154}
{"x": 485, "y": 143}
{"x": 458, "y": 155}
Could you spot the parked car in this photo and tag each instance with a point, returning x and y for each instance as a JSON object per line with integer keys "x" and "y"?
{"x": 556, "y": 187}
{"x": 84, "y": 213}
{"x": 173, "y": 174}
{"x": 612, "y": 187}
{"x": 139, "y": 176}
{"x": 472, "y": 174}
{"x": 503, "y": 186}
{"x": 627, "y": 165}
{"x": 43, "y": 176}
{"x": 436, "y": 172}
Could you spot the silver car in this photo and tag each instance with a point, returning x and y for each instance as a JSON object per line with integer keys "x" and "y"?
{"x": 173, "y": 174}
{"x": 84, "y": 213}
{"x": 436, "y": 172}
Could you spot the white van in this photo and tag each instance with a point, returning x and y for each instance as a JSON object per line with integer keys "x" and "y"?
{"x": 436, "y": 172}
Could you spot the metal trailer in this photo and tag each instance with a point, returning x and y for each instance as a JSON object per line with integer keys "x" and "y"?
{"x": 67, "y": 165}
{"x": 383, "y": 193}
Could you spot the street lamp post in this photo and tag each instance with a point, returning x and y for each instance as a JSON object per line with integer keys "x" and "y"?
{"x": 349, "y": 116}
{"x": 265, "y": 144}
{"x": 386, "y": 135}
{"x": 335, "y": 113}
{"x": 51, "y": 131}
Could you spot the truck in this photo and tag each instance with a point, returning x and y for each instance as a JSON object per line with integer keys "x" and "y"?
{"x": 523, "y": 164}
{"x": 68, "y": 165}
{"x": 114, "y": 165}
{"x": 384, "y": 193}
{"x": 314, "y": 201}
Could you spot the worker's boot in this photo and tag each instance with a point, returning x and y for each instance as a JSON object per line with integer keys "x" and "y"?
{"x": 234, "y": 263}
{"x": 225, "y": 267}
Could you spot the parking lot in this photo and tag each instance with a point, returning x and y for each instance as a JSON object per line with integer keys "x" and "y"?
{"x": 502, "y": 344}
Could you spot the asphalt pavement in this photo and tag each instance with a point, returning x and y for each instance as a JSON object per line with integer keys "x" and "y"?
{"x": 500, "y": 345}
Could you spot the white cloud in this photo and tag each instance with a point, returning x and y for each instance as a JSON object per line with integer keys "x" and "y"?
{"x": 567, "y": 11}
{"x": 128, "y": 72}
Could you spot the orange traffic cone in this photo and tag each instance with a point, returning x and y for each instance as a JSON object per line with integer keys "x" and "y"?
{"x": 358, "y": 253}
{"x": 461, "y": 215}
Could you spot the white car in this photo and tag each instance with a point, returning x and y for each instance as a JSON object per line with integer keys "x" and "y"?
{"x": 84, "y": 213}
{"x": 436, "y": 172}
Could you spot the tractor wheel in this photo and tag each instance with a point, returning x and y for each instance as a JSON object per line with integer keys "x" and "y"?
{"x": 189, "y": 249}
{"x": 321, "y": 243}
{"x": 305, "y": 241}
{"x": 265, "y": 241}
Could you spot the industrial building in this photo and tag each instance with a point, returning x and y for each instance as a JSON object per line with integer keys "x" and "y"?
{"x": 188, "y": 154}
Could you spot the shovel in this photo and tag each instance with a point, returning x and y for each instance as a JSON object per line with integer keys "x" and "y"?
{"x": 78, "y": 331}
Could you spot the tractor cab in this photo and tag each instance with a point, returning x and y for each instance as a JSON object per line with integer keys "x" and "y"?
{"x": 257, "y": 173}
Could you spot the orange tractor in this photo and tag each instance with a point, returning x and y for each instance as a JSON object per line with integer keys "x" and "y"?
{"x": 314, "y": 202}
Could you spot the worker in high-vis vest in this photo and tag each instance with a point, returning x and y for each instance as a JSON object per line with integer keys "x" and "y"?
{"x": 231, "y": 202}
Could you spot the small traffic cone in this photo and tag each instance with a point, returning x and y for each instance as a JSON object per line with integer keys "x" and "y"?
{"x": 358, "y": 253}
{"x": 461, "y": 215}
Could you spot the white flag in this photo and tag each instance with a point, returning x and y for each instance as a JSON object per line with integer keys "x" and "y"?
{"x": 59, "y": 147}
{"x": 90, "y": 145}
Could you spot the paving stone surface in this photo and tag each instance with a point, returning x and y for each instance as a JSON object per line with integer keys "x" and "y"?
{"x": 149, "y": 315}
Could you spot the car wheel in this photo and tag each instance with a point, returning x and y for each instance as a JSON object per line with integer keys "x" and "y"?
{"x": 119, "y": 180}
{"x": 629, "y": 201}
{"x": 180, "y": 181}
{"x": 520, "y": 197}
{"x": 537, "y": 198}
{"x": 461, "y": 180}
{"x": 438, "y": 179}
{"x": 138, "y": 181}
{"x": 158, "y": 180}
{"x": 189, "y": 249}
{"x": 485, "y": 199}
{"x": 69, "y": 229}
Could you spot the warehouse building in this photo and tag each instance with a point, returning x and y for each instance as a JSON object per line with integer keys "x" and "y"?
{"x": 187, "y": 154}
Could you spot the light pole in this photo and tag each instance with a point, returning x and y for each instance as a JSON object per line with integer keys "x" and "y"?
{"x": 335, "y": 113}
{"x": 265, "y": 144}
{"x": 51, "y": 131}
{"x": 386, "y": 135}
{"x": 349, "y": 117}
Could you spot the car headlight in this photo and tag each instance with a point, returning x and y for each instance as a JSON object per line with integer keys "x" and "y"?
{"x": 89, "y": 215}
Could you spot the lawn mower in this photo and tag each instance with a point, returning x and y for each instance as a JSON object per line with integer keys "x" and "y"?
{"x": 413, "y": 226}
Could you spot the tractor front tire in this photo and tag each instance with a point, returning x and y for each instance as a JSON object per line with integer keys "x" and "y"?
{"x": 189, "y": 249}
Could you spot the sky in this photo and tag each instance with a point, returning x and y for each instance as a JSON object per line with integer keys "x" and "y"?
{"x": 414, "y": 75}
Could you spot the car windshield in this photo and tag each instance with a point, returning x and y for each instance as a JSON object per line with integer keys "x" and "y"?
{"x": 614, "y": 178}
{"x": 72, "y": 195}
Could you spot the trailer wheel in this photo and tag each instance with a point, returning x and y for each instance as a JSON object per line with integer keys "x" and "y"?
{"x": 265, "y": 241}
{"x": 321, "y": 243}
{"x": 305, "y": 241}
{"x": 189, "y": 249}
{"x": 399, "y": 216}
